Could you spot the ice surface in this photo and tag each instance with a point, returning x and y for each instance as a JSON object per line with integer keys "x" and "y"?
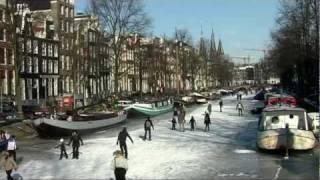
{"x": 170, "y": 154}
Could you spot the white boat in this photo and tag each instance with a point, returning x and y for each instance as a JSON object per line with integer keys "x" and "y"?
{"x": 55, "y": 127}
{"x": 199, "y": 98}
{"x": 282, "y": 127}
{"x": 188, "y": 99}
{"x": 315, "y": 121}
{"x": 124, "y": 103}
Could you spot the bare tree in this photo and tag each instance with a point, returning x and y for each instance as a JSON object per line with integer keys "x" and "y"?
{"x": 120, "y": 18}
{"x": 295, "y": 50}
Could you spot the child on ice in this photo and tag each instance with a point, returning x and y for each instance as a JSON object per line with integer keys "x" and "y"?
{"x": 63, "y": 151}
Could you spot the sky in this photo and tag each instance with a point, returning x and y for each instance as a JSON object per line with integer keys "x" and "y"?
{"x": 239, "y": 24}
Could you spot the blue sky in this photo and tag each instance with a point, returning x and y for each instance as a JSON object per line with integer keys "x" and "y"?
{"x": 240, "y": 24}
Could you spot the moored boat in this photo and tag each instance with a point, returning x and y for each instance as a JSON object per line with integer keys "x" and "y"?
{"x": 283, "y": 127}
{"x": 199, "y": 98}
{"x": 84, "y": 122}
{"x": 151, "y": 108}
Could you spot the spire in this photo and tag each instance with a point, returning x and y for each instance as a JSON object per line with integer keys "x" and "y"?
{"x": 212, "y": 46}
{"x": 220, "y": 48}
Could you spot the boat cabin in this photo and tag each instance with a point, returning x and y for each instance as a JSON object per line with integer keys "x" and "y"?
{"x": 287, "y": 100}
{"x": 278, "y": 118}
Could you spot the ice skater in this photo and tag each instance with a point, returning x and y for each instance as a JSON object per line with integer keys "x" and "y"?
{"x": 147, "y": 128}
{"x": 119, "y": 165}
{"x": 63, "y": 151}
{"x": 221, "y": 104}
{"x": 12, "y": 147}
{"x": 239, "y": 107}
{"x": 207, "y": 122}
{"x": 75, "y": 139}
{"x": 174, "y": 122}
{"x": 209, "y": 108}
{"x": 9, "y": 164}
{"x": 192, "y": 123}
{"x": 181, "y": 119}
{"x": 122, "y": 138}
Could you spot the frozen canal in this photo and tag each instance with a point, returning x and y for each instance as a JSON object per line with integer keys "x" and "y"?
{"x": 226, "y": 152}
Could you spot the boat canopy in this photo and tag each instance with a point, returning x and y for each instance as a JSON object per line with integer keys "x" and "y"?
{"x": 271, "y": 120}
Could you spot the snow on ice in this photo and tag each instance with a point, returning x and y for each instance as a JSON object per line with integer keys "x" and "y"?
{"x": 170, "y": 154}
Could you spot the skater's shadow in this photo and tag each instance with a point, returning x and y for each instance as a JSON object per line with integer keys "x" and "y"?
{"x": 142, "y": 137}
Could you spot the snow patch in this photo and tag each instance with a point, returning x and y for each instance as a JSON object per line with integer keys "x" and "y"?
{"x": 243, "y": 151}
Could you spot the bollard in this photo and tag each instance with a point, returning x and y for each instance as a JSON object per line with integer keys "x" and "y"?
{"x": 287, "y": 142}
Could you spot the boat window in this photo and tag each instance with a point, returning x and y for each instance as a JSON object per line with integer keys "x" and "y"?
{"x": 302, "y": 124}
{"x": 275, "y": 120}
{"x": 156, "y": 104}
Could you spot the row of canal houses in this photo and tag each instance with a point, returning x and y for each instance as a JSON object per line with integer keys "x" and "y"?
{"x": 57, "y": 52}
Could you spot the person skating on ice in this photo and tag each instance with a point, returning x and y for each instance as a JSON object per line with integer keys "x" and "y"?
{"x": 119, "y": 165}
{"x": 220, "y": 105}
{"x": 239, "y": 107}
{"x": 147, "y": 128}
{"x": 75, "y": 139}
{"x": 62, "y": 147}
{"x": 207, "y": 122}
{"x": 209, "y": 108}
{"x": 122, "y": 139}
{"x": 174, "y": 122}
{"x": 192, "y": 123}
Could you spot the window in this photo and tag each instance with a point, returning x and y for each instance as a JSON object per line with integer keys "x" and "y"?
{"x": 1, "y": 15}
{"x": 56, "y": 67}
{"x": 62, "y": 25}
{"x": 44, "y": 49}
{"x": 50, "y": 69}
{"x": 55, "y": 50}
{"x": 2, "y": 56}
{"x": 22, "y": 66}
{"x": 62, "y": 62}
{"x": 50, "y": 51}
{"x": 62, "y": 10}
{"x": 9, "y": 56}
{"x": 44, "y": 65}
{"x": 29, "y": 64}
{"x": 71, "y": 12}
{"x": 67, "y": 63}
{"x": 35, "y": 47}
{"x": 66, "y": 12}
{"x": 2, "y": 35}
{"x": 35, "y": 65}
{"x": 67, "y": 26}
{"x": 29, "y": 46}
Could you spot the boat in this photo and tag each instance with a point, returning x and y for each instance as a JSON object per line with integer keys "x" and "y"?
{"x": 315, "y": 121}
{"x": 285, "y": 127}
{"x": 188, "y": 100}
{"x": 124, "y": 103}
{"x": 281, "y": 99}
{"x": 151, "y": 107}
{"x": 86, "y": 121}
{"x": 199, "y": 98}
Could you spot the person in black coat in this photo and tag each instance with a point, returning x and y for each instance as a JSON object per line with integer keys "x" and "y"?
{"x": 122, "y": 138}
{"x": 63, "y": 151}
{"x": 207, "y": 122}
{"x": 75, "y": 140}
{"x": 192, "y": 122}
{"x": 147, "y": 127}
{"x": 221, "y": 104}
{"x": 174, "y": 121}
